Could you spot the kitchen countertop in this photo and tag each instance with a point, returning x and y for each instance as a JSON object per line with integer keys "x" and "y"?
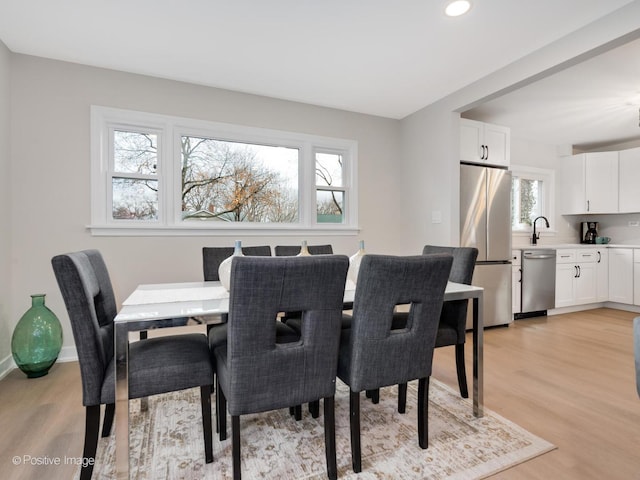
{"x": 574, "y": 245}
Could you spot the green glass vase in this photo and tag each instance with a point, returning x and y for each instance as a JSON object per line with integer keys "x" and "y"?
{"x": 37, "y": 339}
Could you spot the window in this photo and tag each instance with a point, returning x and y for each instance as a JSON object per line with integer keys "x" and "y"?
{"x": 154, "y": 175}
{"x": 531, "y": 196}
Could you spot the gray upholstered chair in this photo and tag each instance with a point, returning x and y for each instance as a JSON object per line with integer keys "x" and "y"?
{"x": 372, "y": 354}
{"x": 294, "y": 319}
{"x": 453, "y": 319}
{"x": 636, "y": 341}
{"x": 156, "y": 365}
{"x": 255, "y": 373}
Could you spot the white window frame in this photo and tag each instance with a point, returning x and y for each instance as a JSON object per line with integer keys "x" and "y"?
{"x": 170, "y": 129}
{"x": 547, "y": 176}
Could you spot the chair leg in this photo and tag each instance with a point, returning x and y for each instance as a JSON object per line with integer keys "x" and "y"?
{"x": 423, "y": 412}
{"x": 91, "y": 429}
{"x": 354, "y": 410}
{"x": 314, "y": 408}
{"x": 235, "y": 446}
{"x": 297, "y": 412}
{"x": 330, "y": 437}
{"x": 205, "y": 401}
{"x": 462, "y": 372}
{"x": 402, "y": 397}
{"x": 374, "y": 395}
{"x": 144, "y": 401}
{"x": 107, "y": 423}
{"x": 213, "y": 389}
{"x": 221, "y": 411}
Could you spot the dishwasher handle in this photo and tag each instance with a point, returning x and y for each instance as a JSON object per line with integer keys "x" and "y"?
{"x": 538, "y": 256}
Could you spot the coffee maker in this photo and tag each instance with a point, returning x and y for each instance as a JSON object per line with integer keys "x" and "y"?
{"x": 588, "y": 232}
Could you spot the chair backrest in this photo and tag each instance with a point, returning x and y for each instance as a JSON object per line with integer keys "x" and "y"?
{"x": 464, "y": 261}
{"x": 212, "y": 257}
{"x": 88, "y": 296}
{"x": 454, "y": 314}
{"x": 293, "y": 250}
{"x": 269, "y": 375}
{"x": 381, "y": 356}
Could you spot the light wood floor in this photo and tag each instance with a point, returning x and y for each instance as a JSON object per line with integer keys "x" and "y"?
{"x": 568, "y": 378}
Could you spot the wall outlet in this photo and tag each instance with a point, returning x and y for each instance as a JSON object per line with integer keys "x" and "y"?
{"x": 634, "y": 223}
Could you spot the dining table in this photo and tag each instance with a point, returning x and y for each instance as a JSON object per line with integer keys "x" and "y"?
{"x": 150, "y": 305}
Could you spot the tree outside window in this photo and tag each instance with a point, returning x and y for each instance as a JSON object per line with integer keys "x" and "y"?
{"x": 531, "y": 196}
{"x": 151, "y": 174}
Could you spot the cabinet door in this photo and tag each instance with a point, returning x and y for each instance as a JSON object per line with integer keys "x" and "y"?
{"x": 621, "y": 275}
{"x": 585, "y": 284}
{"x": 602, "y": 274}
{"x": 629, "y": 170}
{"x": 565, "y": 276}
{"x": 497, "y": 141}
{"x": 601, "y": 182}
{"x": 471, "y": 138}
{"x": 636, "y": 283}
{"x": 516, "y": 282}
{"x": 572, "y": 193}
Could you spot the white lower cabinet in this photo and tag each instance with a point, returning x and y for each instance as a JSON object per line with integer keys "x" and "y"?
{"x": 516, "y": 282}
{"x": 576, "y": 277}
{"x": 636, "y": 276}
{"x": 621, "y": 272}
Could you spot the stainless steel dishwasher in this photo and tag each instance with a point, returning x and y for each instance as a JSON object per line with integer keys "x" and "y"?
{"x": 538, "y": 281}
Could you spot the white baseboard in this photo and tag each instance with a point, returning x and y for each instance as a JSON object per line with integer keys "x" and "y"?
{"x": 67, "y": 354}
{"x": 6, "y": 365}
{"x": 591, "y": 306}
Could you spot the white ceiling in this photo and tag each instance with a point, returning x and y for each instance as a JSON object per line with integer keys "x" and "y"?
{"x": 380, "y": 57}
{"x": 591, "y": 105}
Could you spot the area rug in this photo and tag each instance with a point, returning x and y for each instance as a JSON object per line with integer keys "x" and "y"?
{"x": 167, "y": 442}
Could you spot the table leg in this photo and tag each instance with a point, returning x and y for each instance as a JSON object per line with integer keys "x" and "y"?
{"x": 478, "y": 355}
{"x": 122, "y": 400}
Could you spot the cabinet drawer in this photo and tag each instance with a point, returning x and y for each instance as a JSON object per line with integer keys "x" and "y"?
{"x": 565, "y": 256}
{"x": 587, "y": 255}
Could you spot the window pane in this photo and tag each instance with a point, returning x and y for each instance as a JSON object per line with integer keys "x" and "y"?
{"x": 526, "y": 201}
{"x": 239, "y": 182}
{"x": 329, "y": 169}
{"x": 135, "y": 152}
{"x": 330, "y": 206}
{"x": 135, "y": 199}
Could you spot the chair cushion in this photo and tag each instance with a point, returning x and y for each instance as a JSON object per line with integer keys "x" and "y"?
{"x": 163, "y": 364}
{"x": 218, "y": 335}
{"x": 446, "y": 336}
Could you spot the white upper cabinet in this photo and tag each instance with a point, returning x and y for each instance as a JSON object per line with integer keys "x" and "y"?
{"x": 484, "y": 143}
{"x": 589, "y": 183}
{"x": 629, "y": 186}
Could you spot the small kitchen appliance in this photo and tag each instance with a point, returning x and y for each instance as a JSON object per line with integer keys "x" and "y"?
{"x": 588, "y": 232}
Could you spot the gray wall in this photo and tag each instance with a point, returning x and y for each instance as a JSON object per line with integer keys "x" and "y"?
{"x": 51, "y": 168}
{"x": 5, "y": 211}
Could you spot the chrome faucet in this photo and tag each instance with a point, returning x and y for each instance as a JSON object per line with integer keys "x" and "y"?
{"x": 535, "y": 237}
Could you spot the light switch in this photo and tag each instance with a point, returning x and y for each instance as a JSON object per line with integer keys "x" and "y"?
{"x": 436, "y": 216}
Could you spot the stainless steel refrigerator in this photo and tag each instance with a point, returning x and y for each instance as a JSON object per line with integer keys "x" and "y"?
{"x": 485, "y": 223}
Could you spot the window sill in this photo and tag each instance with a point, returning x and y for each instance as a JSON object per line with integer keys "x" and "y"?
{"x": 209, "y": 231}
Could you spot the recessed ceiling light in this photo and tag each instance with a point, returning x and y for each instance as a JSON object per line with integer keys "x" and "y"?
{"x": 457, "y": 8}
